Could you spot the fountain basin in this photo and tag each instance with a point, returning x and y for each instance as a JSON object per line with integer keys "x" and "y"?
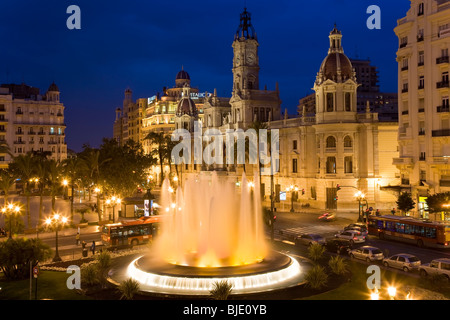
{"x": 154, "y": 275}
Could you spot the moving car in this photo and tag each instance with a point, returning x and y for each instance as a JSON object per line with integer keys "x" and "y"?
{"x": 361, "y": 227}
{"x": 340, "y": 246}
{"x": 367, "y": 253}
{"x": 327, "y": 216}
{"x": 404, "y": 261}
{"x": 309, "y": 239}
{"x": 352, "y": 235}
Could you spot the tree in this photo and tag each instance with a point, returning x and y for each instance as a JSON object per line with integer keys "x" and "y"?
{"x": 405, "y": 202}
{"x": 439, "y": 202}
{"x": 126, "y": 169}
{"x": 54, "y": 170}
{"x": 24, "y": 167}
{"x": 71, "y": 167}
{"x": 160, "y": 139}
{"x": 7, "y": 181}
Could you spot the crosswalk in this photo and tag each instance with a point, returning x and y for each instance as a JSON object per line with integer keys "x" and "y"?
{"x": 292, "y": 233}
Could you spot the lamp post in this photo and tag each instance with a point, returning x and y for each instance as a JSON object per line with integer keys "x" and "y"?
{"x": 360, "y": 197}
{"x": 294, "y": 190}
{"x": 10, "y": 209}
{"x": 56, "y": 220}
{"x": 112, "y": 202}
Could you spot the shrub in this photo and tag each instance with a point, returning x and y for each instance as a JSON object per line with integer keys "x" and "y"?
{"x": 316, "y": 278}
{"x": 89, "y": 274}
{"x": 315, "y": 251}
{"x": 129, "y": 288}
{"x": 103, "y": 261}
{"x": 337, "y": 265}
{"x": 221, "y": 290}
{"x": 17, "y": 254}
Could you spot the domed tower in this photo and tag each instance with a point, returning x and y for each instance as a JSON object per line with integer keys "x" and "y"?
{"x": 53, "y": 93}
{"x": 182, "y": 79}
{"x": 186, "y": 111}
{"x": 336, "y": 85}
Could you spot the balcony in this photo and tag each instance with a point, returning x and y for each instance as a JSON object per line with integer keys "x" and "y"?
{"x": 402, "y": 161}
{"x": 404, "y": 44}
{"x": 442, "y": 84}
{"x": 443, "y": 109}
{"x": 442, "y": 60}
{"x": 421, "y": 132}
{"x": 405, "y": 68}
{"x": 405, "y": 112}
{"x": 19, "y": 142}
{"x": 420, "y": 63}
{"x": 404, "y": 90}
{"x": 441, "y": 133}
{"x": 439, "y": 160}
{"x": 420, "y": 38}
{"x": 421, "y": 110}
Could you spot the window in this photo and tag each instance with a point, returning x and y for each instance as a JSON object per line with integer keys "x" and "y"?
{"x": 294, "y": 165}
{"x": 421, "y": 9}
{"x": 348, "y": 143}
{"x": 421, "y": 58}
{"x": 421, "y": 82}
{"x": 331, "y": 142}
{"x": 348, "y": 102}
{"x": 331, "y": 165}
{"x": 330, "y": 102}
{"x": 294, "y": 144}
{"x": 348, "y": 164}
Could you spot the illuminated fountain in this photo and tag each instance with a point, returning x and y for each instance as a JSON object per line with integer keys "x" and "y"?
{"x": 212, "y": 231}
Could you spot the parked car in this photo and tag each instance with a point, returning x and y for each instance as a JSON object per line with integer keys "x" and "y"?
{"x": 436, "y": 266}
{"x": 367, "y": 253}
{"x": 361, "y": 227}
{"x": 404, "y": 261}
{"x": 309, "y": 239}
{"x": 327, "y": 216}
{"x": 351, "y": 235}
{"x": 340, "y": 246}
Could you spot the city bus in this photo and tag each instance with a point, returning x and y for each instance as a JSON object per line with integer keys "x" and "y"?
{"x": 423, "y": 233}
{"x": 132, "y": 232}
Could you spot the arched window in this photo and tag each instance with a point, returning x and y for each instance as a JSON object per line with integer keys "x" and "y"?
{"x": 331, "y": 142}
{"x": 348, "y": 143}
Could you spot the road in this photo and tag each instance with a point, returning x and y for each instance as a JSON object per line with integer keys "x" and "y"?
{"x": 300, "y": 223}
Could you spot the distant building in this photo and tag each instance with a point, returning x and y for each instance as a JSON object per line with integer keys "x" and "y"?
{"x": 31, "y": 122}
{"x": 424, "y": 90}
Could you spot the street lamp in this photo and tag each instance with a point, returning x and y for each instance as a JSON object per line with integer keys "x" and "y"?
{"x": 360, "y": 197}
{"x": 294, "y": 190}
{"x": 112, "y": 202}
{"x": 10, "y": 209}
{"x": 56, "y": 220}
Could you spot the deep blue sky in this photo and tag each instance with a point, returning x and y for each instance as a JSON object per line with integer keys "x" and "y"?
{"x": 142, "y": 44}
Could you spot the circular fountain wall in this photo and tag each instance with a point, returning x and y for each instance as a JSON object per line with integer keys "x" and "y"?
{"x": 212, "y": 231}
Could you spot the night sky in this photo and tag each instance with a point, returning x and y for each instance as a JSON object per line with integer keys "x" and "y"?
{"x": 142, "y": 44}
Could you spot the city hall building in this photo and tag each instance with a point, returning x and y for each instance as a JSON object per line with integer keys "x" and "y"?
{"x": 325, "y": 156}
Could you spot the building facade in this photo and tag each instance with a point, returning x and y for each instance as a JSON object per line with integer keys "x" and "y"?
{"x": 423, "y": 88}
{"x": 31, "y": 122}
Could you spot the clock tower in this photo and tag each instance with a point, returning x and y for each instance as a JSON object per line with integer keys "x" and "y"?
{"x": 246, "y": 60}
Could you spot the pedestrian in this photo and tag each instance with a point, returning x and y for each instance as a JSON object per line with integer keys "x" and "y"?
{"x": 393, "y": 211}
{"x": 93, "y": 247}
{"x": 377, "y": 213}
{"x": 77, "y": 238}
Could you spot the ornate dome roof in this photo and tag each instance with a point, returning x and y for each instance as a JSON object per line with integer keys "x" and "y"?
{"x": 182, "y": 75}
{"x": 186, "y": 106}
{"x": 334, "y": 65}
{"x": 53, "y": 87}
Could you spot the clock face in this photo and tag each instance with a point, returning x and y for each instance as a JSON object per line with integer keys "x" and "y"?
{"x": 251, "y": 58}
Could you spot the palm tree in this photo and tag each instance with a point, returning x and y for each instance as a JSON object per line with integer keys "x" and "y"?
{"x": 71, "y": 167}
{"x": 54, "y": 169}
{"x": 41, "y": 173}
{"x": 7, "y": 180}
{"x": 160, "y": 139}
{"x": 24, "y": 167}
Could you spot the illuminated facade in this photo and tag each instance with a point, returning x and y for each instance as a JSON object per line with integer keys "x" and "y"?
{"x": 31, "y": 122}
{"x": 423, "y": 86}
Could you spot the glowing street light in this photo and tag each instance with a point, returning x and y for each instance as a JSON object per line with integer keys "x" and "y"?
{"x": 392, "y": 291}
{"x": 56, "y": 221}
{"x": 360, "y": 197}
{"x": 294, "y": 190}
{"x": 10, "y": 209}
